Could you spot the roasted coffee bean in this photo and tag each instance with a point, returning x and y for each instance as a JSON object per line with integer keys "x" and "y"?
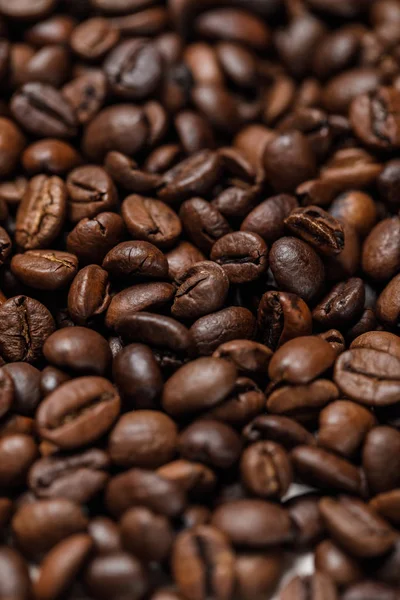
{"x": 50, "y": 156}
{"x": 266, "y": 470}
{"x": 139, "y": 487}
{"x": 301, "y": 360}
{"x": 370, "y": 590}
{"x": 380, "y": 254}
{"x": 302, "y": 401}
{"x": 387, "y": 505}
{"x": 203, "y": 563}
{"x": 356, "y": 209}
{"x": 41, "y": 213}
{"x": 279, "y": 429}
{"x": 42, "y": 111}
{"x": 106, "y": 536}
{"x": 253, "y": 523}
{"x": 387, "y": 304}
{"x": 368, "y": 376}
{"x": 356, "y": 527}
{"x": 12, "y": 143}
{"x": 66, "y": 559}
{"x": 318, "y": 228}
{"x": 192, "y": 477}
{"x": 137, "y": 376}
{"x": 7, "y": 392}
{"x": 243, "y": 256}
{"x": 93, "y": 38}
{"x": 125, "y": 171}
{"x": 25, "y": 387}
{"x": 50, "y": 379}
{"x": 181, "y": 258}
{"x": 318, "y": 586}
{"x": 86, "y": 94}
{"x": 388, "y": 183}
{"x": 88, "y": 295}
{"x": 64, "y": 416}
{"x": 115, "y": 576}
{"x": 78, "y": 349}
{"x": 17, "y": 453}
{"x": 267, "y": 219}
{"x": 16, "y": 581}
{"x": 45, "y": 269}
{"x": 25, "y": 324}
{"x": 257, "y": 574}
{"x": 282, "y": 316}
{"x": 343, "y": 569}
{"x": 92, "y": 239}
{"x": 245, "y": 402}
{"x": 146, "y": 535}
{"x": 343, "y": 426}
{"x": 375, "y": 120}
{"x": 297, "y": 268}
{"x": 77, "y": 477}
{"x": 342, "y": 305}
{"x": 91, "y": 191}
{"x": 143, "y": 438}
{"x": 228, "y": 324}
{"x": 316, "y": 466}
{"x": 288, "y": 161}
{"x": 151, "y": 220}
{"x": 380, "y": 458}
{"x": 203, "y": 289}
{"x": 211, "y": 442}
{"x": 203, "y": 223}
{"x": 250, "y": 358}
{"x": 132, "y": 260}
{"x": 308, "y": 525}
{"x": 39, "y": 525}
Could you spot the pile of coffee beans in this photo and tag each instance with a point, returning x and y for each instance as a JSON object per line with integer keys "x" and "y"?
{"x": 200, "y": 299}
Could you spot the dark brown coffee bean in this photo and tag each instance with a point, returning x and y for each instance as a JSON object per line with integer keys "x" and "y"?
{"x": 134, "y": 69}
{"x": 194, "y": 176}
{"x": 343, "y": 569}
{"x": 193, "y": 477}
{"x": 243, "y": 256}
{"x": 253, "y": 523}
{"x": 387, "y": 304}
{"x": 210, "y": 442}
{"x": 326, "y": 470}
{"x": 15, "y": 582}
{"x": 341, "y": 90}
{"x": 356, "y": 527}
{"x": 146, "y": 535}
{"x": 41, "y": 524}
{"x": 131, "y": 260}
{"x": 388, "y": 183}
{"x": 356, "y": 209}
{"x": 343, "y": 426}
{"x": 203, "y": 563}
{"x": 86, "y": 94}
{"x": 66, "y": 559}
{"x": 342, "y": 305}
{"x": 151, "y": 220}
{"x": 347, "y": 263}
{"x": 12, "y": 143}
{"x": 288, "y": 161}
{"x": 374, "y": 118}
{"x": 26, "y": 387}
{"x": 181, "y": 258}
{"x": 45, "y": 269}
{"x": 41, "y": 213}
{"x": 203, "y": 223}
{"x": 245, "y": 402}
{"x": 17, "y": 454}
{"x": 202, "y": 290}
{"x": 92, "y": 39}
{"x": 64, "y": 416}
{"x": 387, "y": 505}
{"x": 228, "y": 324}
{"x": 281, "y": 317}
{"x": 370, "y": 590}
{"x": 257, "y": 574}
{"x": 77, "y": 477}
{"x": 194, "y": 131}
{"x": 92, "y": 239}
{"x": 6, "y": 392}
{"x": 380, "y": 254}
{"x": 380, "y": 459}
{"x": 88, "y": 295}
{"x": 42, "y": 111}
{"x": 143, "y": 438}
{"x": 302, "y": 401}
{"x": 106, "y": 536}
{"x": 50, "y": 379}
{"x": 91, "y": 191}
{"x": 25, "y": 324}
{"x": 137, "y": 376}
{"x": 127, "y": 174}
{"x": 282, "y": 430}
{"x": 318, "y": 228}
{"x": 139, "y": 487}
{"x": 335, "y": 339}
{"x": 267, "y": 219}
{"x": 266, "y": 470}
{"x": 50, "y": 156}
{"x": 368, "y": 376}
{"x": 115, "y": 576}
{"x": 78, "y": 349}
{"x": 297, "y": 268}
{"x": 251, "y": 359}
{"x": 308, "y": 525}
{"x": 318, "y": 586}
{"x": 301, "y": 360}
{"x": 122, "y": 127}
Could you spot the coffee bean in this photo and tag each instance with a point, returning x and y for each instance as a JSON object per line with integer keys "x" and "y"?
{"x": 151, "y": 220}
{"x": 41, "y": 213}
{"x": 6, "y": 392}
{"x": 192, "y": 477}
{"x": 374, "y": 118}
{"x": 42, "y": 111}
{"x": 265, "y": 469}
{"x": 77, "y": 477}
{"x": 257, "y": 574}
{"x": 228, "y": 324}
{"x": 290, "y": 154}
{"x": 125, "y": 171}
{"x": 380, "y": 257}
{"x": 302, "y": 401}
{"x": 41, "y": 524}
{"x": 253, "y": 523}
{"x": 63, "y": 417}
{"x": 356, "y": 527}
{"x": 210, "y": 442}
{"x": 245, "y": 402}
{"x": 16, "y": 582}
{"x": 45, "y": 269}
{"x": 146, "y": 535}
{"x": 93, "y": 38}
{"x": 92, "y": 239}
{"x": 66, "y": 559}
{"x": 380, "y": 459}
{"x": 203, "y": 223}
{"x": 115, "y": 576}
{"x": 202, "y": 289}
{"x": 279, "y": 429}
{"x": 301, "y": 360}
{"x": 91, "y": 191}
{"x": 137, "y": 376}
{"x": 105, "y": 535}
{"x": 318, "y": 586}
{"x": 318, "y": 228}
{"x": 387, "y": 305}
{"x": 242, "y": 255}
{"x": 304, "y": 512}
{"x": 50, "y": 156}
{"x": 342, "y": 305}
{"x": 86, "y": 94}
{"x": 88, "y": 295}
{"x": 281, "y": 317}
{"x": 203, "y": 563}
{"x": 250, "y": 358}
{"x": 343, "y": 569}
{"x": 370, "y": 590}
{"x": 78, "y": 349}
{"x": 25, "y": 387}
{"x": 368, "y": 376}
{"x": 17, "y": 453}
{"x": 387, "y": 504}
{"x": 267, "y": 219}
{"x": 143, "y": 438}
{"x": 25, "y": 324}
{"x": 181, "y": 258}
{"x": 316, "y": 466}
{"x": 356, "y": 209}
{"x": 11, "y": 146}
